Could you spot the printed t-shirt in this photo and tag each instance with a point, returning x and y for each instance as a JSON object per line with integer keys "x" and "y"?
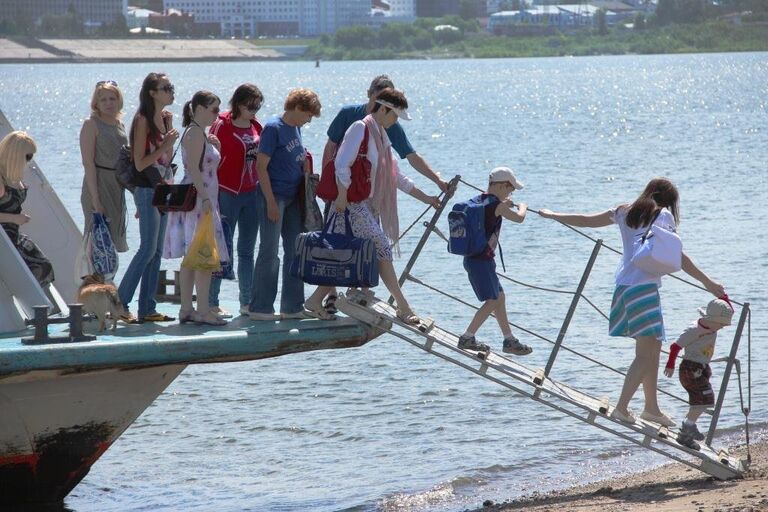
{"x": 698, "y": 342}
{"x": 351, "y": 113}
{"x": 282, "y": 143}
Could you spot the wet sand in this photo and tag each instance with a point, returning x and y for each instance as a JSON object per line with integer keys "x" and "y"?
{"x": 673, "y": 487}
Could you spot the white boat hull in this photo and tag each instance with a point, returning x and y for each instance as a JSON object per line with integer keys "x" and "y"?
{"x": 55, "y": 424}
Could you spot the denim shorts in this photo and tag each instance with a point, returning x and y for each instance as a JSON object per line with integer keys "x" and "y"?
{"x": 483, "y": 278}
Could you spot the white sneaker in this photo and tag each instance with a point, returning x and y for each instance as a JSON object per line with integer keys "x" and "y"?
{"x": 263, "y": 317}
{"x": 244, "y": 311}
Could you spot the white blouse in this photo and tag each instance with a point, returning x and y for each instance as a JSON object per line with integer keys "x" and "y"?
{"x": 347, "y": 152}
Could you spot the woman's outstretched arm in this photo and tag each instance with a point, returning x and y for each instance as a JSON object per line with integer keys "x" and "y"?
{"x": 713, "y": 287}
{"x": 593, "y": 220}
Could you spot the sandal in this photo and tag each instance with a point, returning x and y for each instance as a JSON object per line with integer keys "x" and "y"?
{"x": 330, "y": 304}
{"x": 319, "y": 313}
{"x": 407, "y": 316}
{"x": 221, "y": 312}
{"x": 187, "y": 316}
{"x": 211, "y": 319}
{"x": 157, "y": 317}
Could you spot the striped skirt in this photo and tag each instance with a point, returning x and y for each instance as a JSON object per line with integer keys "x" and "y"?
{"x": 636, "y": 311}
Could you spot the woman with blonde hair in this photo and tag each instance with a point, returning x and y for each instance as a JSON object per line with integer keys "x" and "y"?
{"x": 636, "y": 306}
{"x": 101, "y": 138}
{"x": 16, "y": 151}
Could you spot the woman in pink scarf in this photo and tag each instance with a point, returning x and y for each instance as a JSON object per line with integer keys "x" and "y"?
{"x": 376, "y": 216}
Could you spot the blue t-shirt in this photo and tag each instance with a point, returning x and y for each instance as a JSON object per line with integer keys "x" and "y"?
{"x": 282, "y": 143}
{"x": 351, "y": 113}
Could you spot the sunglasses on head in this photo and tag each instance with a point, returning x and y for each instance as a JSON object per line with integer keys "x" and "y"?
{"x": 106, "y": 82}
{"x": 29, "y": 156}
{"x": 167, "y": 88}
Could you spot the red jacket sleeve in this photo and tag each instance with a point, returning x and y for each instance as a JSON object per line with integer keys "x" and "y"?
{"x": 674, "y": 349}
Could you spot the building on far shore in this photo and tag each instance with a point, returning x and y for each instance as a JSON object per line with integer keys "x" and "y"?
{"x": 561, "y": 16}
{"x": 253, "y": 18}
{"x": 439, "y": 8}
{"x": 94, "y": 13}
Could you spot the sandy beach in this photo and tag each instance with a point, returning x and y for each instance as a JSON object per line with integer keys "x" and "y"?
{"x": 673, "y": 487}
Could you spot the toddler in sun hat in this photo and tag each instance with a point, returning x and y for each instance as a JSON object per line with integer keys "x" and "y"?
{"x": 698, "y": 339}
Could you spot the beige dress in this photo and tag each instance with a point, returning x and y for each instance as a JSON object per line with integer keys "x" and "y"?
{"x": 109, "y": 140}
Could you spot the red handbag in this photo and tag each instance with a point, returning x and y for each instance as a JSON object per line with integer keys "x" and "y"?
{"x": 360, "y": 188}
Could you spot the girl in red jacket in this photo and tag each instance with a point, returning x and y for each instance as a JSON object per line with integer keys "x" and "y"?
{"x": 239, "y": 133}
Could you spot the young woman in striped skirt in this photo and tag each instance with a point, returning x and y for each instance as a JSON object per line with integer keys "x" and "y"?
{"x": 636, "y": 307}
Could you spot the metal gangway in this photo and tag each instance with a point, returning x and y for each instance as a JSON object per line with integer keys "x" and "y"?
{"x": 536, "y": 383}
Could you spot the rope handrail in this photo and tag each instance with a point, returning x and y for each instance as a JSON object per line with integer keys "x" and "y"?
{"x": 585, "y": 235}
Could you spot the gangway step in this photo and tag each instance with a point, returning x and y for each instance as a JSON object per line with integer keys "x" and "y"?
{"x": 532, "y": 383}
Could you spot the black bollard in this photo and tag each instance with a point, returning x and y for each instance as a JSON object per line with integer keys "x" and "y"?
{"x": 41, "y": 324}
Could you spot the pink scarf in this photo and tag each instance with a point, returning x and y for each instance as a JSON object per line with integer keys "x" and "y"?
{"x": 384, "y": 199}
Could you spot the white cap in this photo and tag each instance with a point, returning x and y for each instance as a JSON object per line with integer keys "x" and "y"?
{"x": 717, "y": 311}
{"x": 504, "y": 175}
{"x": 401, "y": 112}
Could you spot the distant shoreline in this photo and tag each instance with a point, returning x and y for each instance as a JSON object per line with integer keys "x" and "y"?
{"x": 673, "y": 40}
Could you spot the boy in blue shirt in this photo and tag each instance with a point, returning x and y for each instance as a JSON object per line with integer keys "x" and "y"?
{"x": 481, "y": 268}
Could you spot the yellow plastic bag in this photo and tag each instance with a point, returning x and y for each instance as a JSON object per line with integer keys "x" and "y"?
{"x": 203, "y": 254}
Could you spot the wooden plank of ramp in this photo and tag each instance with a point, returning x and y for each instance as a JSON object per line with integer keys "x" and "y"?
{"x": 531, "y": 383}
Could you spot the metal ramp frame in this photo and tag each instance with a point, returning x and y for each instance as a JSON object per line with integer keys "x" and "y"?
{"x": 535, "y": 385}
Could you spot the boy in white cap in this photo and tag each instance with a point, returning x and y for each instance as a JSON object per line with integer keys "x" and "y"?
{"x": 481, "y": 268}
{"x": 699, "y": 343}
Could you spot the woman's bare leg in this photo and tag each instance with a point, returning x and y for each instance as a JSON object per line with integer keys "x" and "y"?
{"x": 647, "y": 350}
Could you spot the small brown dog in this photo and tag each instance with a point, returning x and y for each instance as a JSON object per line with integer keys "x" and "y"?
{"x": 100, "y": 298}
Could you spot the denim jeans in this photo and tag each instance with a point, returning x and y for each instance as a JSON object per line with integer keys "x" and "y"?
{"x": 238, "y": 210}
{"x": 145, "y": 265}
{"x": 264, "y": 288}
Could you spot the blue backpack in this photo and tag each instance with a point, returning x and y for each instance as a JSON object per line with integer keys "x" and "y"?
{"x": 466, "y": 225}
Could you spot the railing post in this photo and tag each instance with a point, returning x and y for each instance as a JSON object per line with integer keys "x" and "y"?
{"x": 452, "y": 185}
{"x": 572, "y": 308}
{"x": 727, "y": 374}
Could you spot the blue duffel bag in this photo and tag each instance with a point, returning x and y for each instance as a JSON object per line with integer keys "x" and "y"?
{"x": 325, "y": 258}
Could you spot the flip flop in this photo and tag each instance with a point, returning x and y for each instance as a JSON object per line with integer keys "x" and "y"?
{"x": 128, "y": 318}
{"x": 157, "y": 317}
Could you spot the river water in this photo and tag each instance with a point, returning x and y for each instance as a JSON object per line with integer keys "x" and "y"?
{"x": 386, "y": 427}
